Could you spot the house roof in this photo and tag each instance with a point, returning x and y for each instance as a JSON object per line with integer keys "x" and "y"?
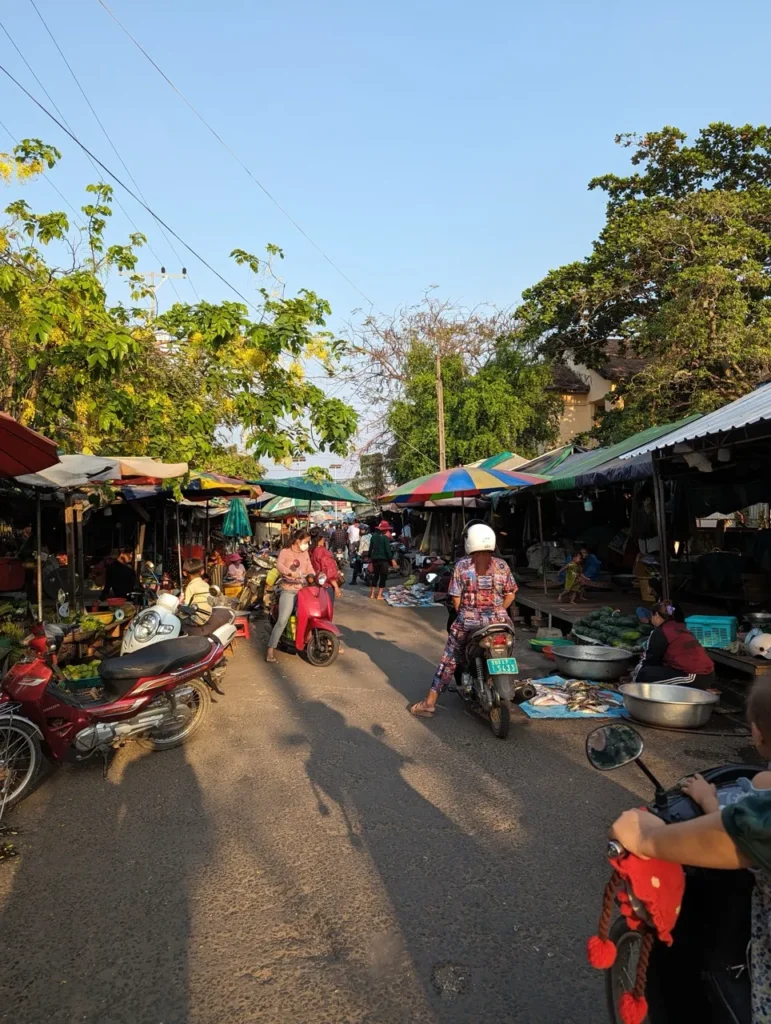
{"x": 742, "y": 412}
{"x": 620, "y": 365}
{"x": 567, "y": 381}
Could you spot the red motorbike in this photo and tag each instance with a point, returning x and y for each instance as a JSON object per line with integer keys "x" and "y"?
{"x": 311, "y": 628}
{"x": 158, "y": 696}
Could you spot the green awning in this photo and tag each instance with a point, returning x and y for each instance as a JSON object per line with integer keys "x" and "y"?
{"x": 297, "y": 487}
{"x": 565, "y": 479}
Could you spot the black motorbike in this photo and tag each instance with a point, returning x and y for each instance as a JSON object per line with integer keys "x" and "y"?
{"x": 704, "y": 975}
{"x": 486, "y": 675}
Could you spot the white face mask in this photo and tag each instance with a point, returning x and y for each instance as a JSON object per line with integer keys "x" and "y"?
{"x": 304, "y": 546}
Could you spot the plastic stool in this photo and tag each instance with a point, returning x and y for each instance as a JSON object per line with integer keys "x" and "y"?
{"x": 241, "y": 623}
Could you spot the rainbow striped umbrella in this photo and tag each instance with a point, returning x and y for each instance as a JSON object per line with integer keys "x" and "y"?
{"x": 461, "y": 482}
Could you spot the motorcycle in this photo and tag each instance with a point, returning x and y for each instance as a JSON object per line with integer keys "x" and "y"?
{"x": 158, "y": 697}
{"x": 485, "y": 676}
{"x": 704, "y": 975}
{"x": 311, "y": 628}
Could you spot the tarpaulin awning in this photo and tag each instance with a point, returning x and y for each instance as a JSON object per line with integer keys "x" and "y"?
{"x": 281, "y": 507}
{"x": 503, "y": 460}
{"x": 82, "y": 470}
{"x": 203, "y": 486}
{"x": 461, "y": 482}
{"x": 298, "y": 487}
{"x": 23, "y": 450}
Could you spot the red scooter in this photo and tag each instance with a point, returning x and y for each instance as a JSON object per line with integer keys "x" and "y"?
{"x": 158, "y": 696}
{"x": 311, "y": 628}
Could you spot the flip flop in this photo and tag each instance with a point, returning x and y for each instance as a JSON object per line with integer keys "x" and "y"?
{"x": 272, "y": 661}
{"x": 420, "y": 712}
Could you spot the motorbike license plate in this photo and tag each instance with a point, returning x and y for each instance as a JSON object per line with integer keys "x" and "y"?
{"x": 502, "y": 666}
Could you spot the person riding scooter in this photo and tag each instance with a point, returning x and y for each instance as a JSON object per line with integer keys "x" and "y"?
{"x": 294, "y": 565}
{"x": 482, "y": 588}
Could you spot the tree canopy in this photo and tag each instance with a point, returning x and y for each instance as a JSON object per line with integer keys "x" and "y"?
{"x": 503, "y": 405}
{"x": 679, "y": 276}
{"x": 114, "y": 379}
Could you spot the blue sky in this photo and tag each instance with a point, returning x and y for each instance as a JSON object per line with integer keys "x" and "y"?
{"x": 418, "y": 143}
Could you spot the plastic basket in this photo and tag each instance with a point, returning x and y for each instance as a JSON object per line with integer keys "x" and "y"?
{"x": 86, "y": 683}
{"x": 713, "y": 630}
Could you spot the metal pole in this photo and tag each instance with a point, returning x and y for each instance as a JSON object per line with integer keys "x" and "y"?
{"x": 69, "y": 532}
{"x": 179, "y": 549}
{"x": 81, "y": 558}
{"x": 661, "y": 526}
{"x": 440, "y": 411}
{"x": 543, "y": 546}
{"x": 39, "y": 563}
{"x": 208, "y": 531}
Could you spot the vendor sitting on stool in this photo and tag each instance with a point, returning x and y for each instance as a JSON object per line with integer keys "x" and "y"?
{"x": 673, "y": 654}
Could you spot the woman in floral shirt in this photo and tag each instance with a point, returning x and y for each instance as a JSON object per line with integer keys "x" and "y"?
{"x": 482, "y": 588}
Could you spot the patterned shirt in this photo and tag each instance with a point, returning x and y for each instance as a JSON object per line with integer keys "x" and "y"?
{"x": 481, "y": 595}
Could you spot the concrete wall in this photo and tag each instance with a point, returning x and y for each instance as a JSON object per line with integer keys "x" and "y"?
{"x": 580, "y": 411}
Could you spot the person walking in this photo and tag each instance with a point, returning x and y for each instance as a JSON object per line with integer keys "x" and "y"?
{"x": 293, "y": 564}
{"x": 362, "y": 556}
{"x": 482, "y": 589}
{"x": 339, "y": 538}
{"x": 354, "y": 535}
{"x": 381, "y": 553}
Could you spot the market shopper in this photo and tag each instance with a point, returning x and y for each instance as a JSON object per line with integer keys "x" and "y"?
{"x": 323, "y": 560}
{"x": 354, "y": 535}
{"x": 482, "y": 589}
{"x": 293, "y": 565}
{"x": 119, "y": 577}
{"x": 197, "y": 593}
{"x": 673, "y": 654}
{"x": 381, "y": 553}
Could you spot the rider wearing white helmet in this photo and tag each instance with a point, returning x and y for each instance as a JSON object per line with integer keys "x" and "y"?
{"x": 482, "y": 588}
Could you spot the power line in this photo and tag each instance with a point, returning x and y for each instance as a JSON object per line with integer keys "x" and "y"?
{"x": 125, "y": 187}
{"x": 118, "y": 203}
{"x": 238, "y": 160}
{"x": 107, "y": 136}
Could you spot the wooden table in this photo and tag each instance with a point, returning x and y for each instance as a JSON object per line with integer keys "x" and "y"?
{"x": 743, "y": 663}
{"x": 535, "y": 600}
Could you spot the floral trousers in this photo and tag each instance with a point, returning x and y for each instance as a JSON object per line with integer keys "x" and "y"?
{"x": 459, "y": 633}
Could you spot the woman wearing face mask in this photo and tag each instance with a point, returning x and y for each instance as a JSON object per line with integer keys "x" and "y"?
{"x": 293, "y": 564}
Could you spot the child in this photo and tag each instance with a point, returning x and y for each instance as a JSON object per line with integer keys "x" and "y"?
{"x": 738, "y": 836}
{"x": 574, "y": 580}
{"x": 197, "y": 593}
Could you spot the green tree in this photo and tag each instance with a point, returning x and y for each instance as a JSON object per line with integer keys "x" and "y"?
{"x": 371, "y": 480}
{"x": 110, "y": 379}
{"x": 679, "y": 275}
{"x": 501, "y": 406}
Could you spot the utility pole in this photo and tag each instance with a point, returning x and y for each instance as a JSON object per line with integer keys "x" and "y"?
{"x": 440, "y": 410}
{"x": 156, "y": 279}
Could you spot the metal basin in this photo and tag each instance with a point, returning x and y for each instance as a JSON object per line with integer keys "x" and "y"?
{"x": 674, "y": 707}
{"x": 601, "y": 664}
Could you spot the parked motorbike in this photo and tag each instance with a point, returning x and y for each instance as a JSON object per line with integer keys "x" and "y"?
{"x": 168, "y": 618}
{"x": 311, "y": 628}
{"x": 704, "y": 975}
{"x": 485, "y": 676}
{"x": 158, "y": 697}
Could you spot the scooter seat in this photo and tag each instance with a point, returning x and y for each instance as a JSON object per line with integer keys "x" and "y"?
{"x": 220, "y": 616}
{"x": 166, "y": 656}
{"x": 493, "y": 627}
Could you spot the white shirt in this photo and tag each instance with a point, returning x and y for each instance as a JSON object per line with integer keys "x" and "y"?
{"x": 353, "y": 534}
{"x": 364, "y": 544}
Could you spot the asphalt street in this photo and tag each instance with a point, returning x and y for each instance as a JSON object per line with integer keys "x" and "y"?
{"x": 316, "y": 855}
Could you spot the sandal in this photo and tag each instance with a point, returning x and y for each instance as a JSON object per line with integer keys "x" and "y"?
{"x": 419, "y": 712}
{"x": 271, "y": 659}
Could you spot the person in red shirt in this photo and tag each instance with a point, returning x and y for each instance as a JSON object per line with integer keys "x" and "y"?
{"x": 674, "y": 655}
{"x": 323, "y": 560}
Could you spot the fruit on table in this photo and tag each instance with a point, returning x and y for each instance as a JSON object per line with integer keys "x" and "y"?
{"x": 86, "y": 671}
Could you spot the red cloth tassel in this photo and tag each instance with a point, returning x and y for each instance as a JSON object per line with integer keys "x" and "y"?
{"x": 633, "y": 1009}
{"x": 601, "y": 952}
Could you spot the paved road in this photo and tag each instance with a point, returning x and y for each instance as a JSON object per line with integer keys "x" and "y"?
{"x": 318, "y": 856}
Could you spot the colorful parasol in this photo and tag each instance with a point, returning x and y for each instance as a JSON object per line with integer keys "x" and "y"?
{"x": 461, "y": 482}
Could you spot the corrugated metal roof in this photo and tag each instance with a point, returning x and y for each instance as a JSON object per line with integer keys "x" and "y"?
{"x": 742, "y": 412}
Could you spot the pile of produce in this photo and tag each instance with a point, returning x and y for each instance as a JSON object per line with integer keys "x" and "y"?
{"x": 89, "y": 670}
{"x": 608, "y": 626}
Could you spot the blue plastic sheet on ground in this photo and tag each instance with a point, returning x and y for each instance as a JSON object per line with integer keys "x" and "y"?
{"x": 560, "y": 711}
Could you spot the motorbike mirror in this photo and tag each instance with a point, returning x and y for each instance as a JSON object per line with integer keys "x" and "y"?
{"x": 612, "y": 746}
{"x": 214, "y": 591}
{"x": 149, "y": 566}
{"x": 321, "y": 579}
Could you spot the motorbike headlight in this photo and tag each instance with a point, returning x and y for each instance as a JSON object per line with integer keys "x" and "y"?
{"x": 146, "y": 626}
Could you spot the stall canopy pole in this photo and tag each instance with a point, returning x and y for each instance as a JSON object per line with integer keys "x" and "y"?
{"x": 543, "y": 546}
{"x": 463, "y": 510}
{"x": 39, "y": 562}
{"x": 661, "y": 526}
{"x": 179, "y": 550}
{"x": 207, "y": 532}
{"x": 81, "y": 556}
{"x": 69, "y": 530}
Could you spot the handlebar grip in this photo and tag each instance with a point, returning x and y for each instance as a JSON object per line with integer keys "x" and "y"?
{"x": 615, "y": 849}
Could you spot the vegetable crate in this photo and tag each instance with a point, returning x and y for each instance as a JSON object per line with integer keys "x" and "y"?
{"x": 713, "y": 630}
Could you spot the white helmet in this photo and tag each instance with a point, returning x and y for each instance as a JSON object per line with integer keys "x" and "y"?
{"x": 758, "y": 644}
{"x": 480, "y": 537}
